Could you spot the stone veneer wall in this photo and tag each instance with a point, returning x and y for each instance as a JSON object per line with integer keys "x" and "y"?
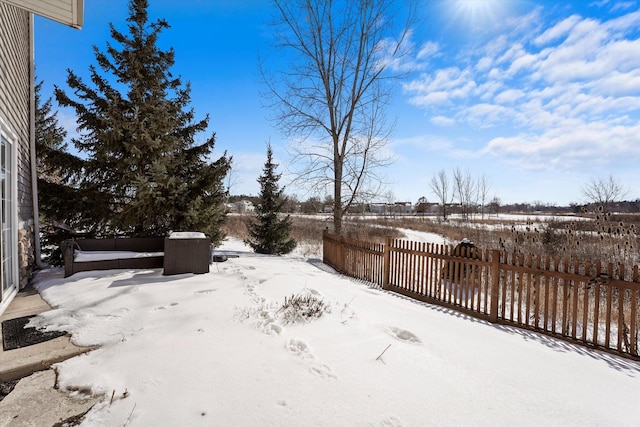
{"x": 26, "y": 254}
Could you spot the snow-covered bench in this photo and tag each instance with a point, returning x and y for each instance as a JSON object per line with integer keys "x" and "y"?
{"x": 108, "y": 254}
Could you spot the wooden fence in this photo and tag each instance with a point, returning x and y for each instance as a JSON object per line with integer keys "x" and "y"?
{"x": 590, "y": 304}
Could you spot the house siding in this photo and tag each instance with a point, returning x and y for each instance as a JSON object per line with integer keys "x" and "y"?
{"x": 15, "y": 104}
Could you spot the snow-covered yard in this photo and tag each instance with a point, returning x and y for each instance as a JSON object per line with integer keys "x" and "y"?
{"x": 214, "y": 349}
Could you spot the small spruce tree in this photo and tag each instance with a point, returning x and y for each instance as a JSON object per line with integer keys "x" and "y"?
{"x": 270, "y": 233}
{"x": 138, "y": 133}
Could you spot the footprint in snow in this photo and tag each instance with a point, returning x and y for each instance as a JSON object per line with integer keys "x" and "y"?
{"x": 403, "y": 335}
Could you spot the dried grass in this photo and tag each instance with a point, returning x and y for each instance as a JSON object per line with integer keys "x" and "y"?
{"x": 308, "y": 230}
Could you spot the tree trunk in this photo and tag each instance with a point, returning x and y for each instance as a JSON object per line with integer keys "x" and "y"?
{"x": 337, "y": 198}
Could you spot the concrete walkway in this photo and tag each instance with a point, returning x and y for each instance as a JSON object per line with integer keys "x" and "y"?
{"x": 35, "y": 401}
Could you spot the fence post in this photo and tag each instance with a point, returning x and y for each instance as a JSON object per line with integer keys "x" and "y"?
{"x": 340, "y": 261}
{"x": 386, "y": 267}
{"x": 495, "y": 285}
{"x": 325, "y": 248}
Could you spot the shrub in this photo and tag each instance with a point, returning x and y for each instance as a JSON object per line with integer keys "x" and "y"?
{"x": 302, "y": 308}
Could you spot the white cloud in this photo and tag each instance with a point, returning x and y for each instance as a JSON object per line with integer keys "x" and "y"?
{"x": 619, "y": 84}
{"x": 522, "y": 62}
{"x": 622, "y": 5}
{"x": 624, "y": 23}
{"x": 559, "y": 30}
{"x": 484, "y": 63}
{"x": 428, "y": 50}
{"x": 445, "y": 85}
{"x": 442, "y": 121}
{"x": 509, "y": 96}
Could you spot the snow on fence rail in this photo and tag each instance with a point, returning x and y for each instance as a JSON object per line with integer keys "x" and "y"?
{"x": 591, "y": 304}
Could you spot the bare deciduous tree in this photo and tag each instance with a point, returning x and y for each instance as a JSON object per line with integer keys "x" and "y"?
{"x": 330, "y": 100}
{"x": 484, "y": 186}
{"x": 466, "y": 192}
{"x": 604, "y": 191}
{"x": 441, "y": 187}
{"x": 494, "y": 205}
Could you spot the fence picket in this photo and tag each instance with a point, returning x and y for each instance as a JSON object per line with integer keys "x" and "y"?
{"x": 547, "y": 285}
{"x": 537, "y": 288}
{"x": 608, "y": 313}
{"x": 565, "y": 299}
{"x": 574, "y": 303}
{"x": 529, "y": 292}
{"x": 585, "y": 305}
{"x": 425, "y": 270}
{"x": 633, "y": 327}
{"x": 553, "y": 295}
{"x": 621, "y": 323}
{"x": 596, "y": 302}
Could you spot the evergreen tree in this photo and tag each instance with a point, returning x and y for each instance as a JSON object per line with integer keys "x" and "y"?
{"x": 61, "y": 205}
{"x": 139, "y": 138}
{"x": 270, "y": 234}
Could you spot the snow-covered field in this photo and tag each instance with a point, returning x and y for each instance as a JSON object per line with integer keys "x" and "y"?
{"x": 422, "y": 237}
{"x": 214, "y": 350}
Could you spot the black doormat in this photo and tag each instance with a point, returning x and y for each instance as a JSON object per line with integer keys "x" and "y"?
{"x": 15, "y": 335}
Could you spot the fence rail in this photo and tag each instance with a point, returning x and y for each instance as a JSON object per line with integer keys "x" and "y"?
{"x": 591, "y": 304}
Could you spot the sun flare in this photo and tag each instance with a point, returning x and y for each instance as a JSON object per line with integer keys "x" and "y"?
{"x": 478, "y": 12}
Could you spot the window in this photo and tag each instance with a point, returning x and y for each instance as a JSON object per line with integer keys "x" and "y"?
{"x": 8, "y": 228}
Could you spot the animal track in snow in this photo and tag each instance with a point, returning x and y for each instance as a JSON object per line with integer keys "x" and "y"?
{"x": 391, "y": 421}
{"x": 205, "y": 291}
{"x": 250, "y": 289}
{"x": 299, "y": 348}
{"x": 272, "y": 329}
{"x": 403, "y": 335}
{"x": 266, "y": 320}
{"x": 164, "y": 307}
{"x": 323, "y": 371}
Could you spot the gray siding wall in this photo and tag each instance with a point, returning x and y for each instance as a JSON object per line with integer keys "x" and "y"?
{"x": 15, "y": 84}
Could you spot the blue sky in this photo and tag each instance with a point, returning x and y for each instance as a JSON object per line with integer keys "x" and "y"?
{"x": 539, "y": 96}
